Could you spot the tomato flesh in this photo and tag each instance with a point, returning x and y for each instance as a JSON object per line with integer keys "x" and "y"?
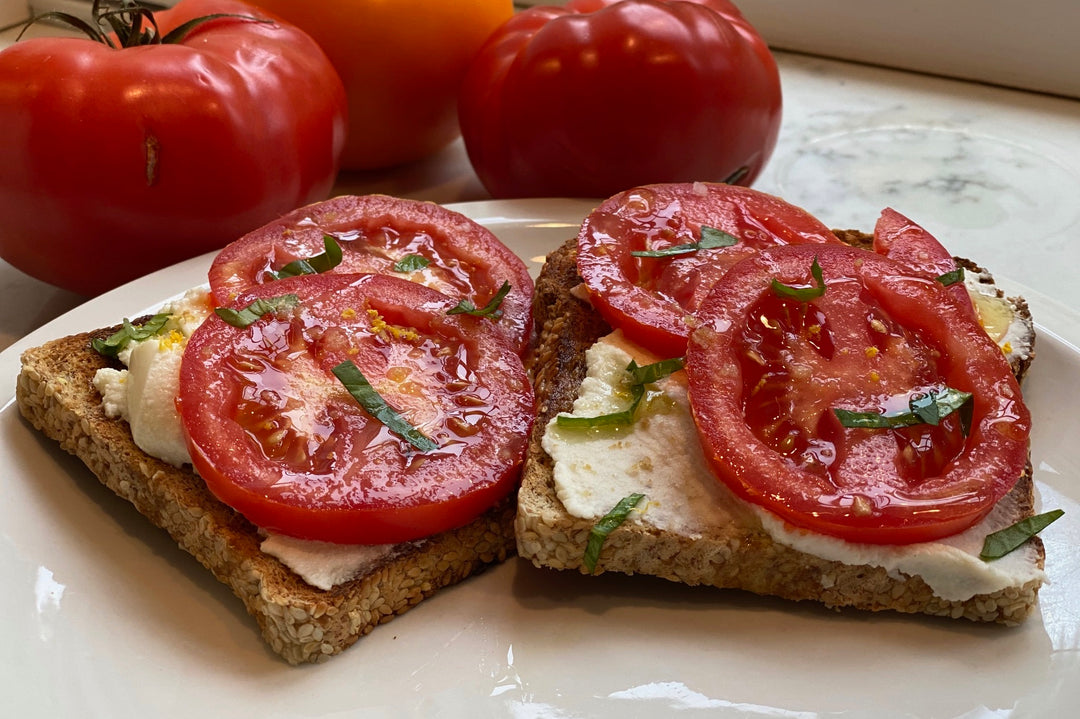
{"x": 765, "y": 374}
{"x": 376, "y": 231}
{"x": 654, "y": 299}
{"x": 277, "y": 437}
{"x": 900, "y": 239}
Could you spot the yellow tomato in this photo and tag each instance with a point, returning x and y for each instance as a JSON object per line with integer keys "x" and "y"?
{"x": 402, "y": 62}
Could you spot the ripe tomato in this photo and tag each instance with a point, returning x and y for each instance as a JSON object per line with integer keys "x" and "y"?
{"x": 900, "y": 239}
{"x": 597, "y": 96}
{"x": 653, "y": 299}
{"x": 277, "y": 437}
{"x": 117, "y": 162}
{"x": 375, "y": 232}
{"x": 765, "y": 374}
{"x": 402, "y": 63}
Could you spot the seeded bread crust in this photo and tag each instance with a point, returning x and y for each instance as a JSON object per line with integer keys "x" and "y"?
{"x": 736, "y": 557}
{"x": 301, "y": 623}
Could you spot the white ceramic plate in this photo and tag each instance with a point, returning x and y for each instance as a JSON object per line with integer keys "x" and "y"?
{"x": 103, "y": 616}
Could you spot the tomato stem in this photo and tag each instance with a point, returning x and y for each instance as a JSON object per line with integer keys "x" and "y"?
{"x": 131, "y": 24}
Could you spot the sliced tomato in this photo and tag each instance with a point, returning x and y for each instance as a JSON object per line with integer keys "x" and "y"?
{"x": 277, "y": 436}
{"x": 654, "y": 299}
{"x": 766, "y": 372}
{"x": 464, "y": 259}
{"x": 900, "y": 239}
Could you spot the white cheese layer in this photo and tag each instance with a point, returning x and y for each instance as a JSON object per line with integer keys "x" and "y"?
{"x": 145, "y": 394}
{"x": 999, "y": 317}
{"x": 324, "y": 564}
{"x": 659, "y": 456}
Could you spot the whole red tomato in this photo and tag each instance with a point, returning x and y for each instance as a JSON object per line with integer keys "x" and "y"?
{"x": 597, "y": 96}
{"x": 121, "y": 160}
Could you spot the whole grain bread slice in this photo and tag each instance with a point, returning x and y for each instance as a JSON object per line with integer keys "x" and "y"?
{"x": 302, "y": 623}
{"x": 736, "y": 556}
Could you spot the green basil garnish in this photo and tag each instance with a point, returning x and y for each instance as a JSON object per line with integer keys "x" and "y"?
{"x": 639, "y": 377}
{"x": 951, "y": 278}
{"x": 328, "y": 260}
{"x": 112, "y": 345}
{"x": 929, "y": 408}
{"x": 373, "y": 403}
{"x": 491, "y": 309}
{"x": 411, "y": 263}
{"x": 258, "y": 308}
{"x": 600, "y": 531}
{"x": 711, "y": 238}
{"x": 802, "y": 294}
{"x": 1000, "y": 543}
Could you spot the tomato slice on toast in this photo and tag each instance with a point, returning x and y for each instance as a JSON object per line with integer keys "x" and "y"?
{"x": 653, "y": 299}
{"x": 279, "y": 438}
{"x": 767, "y": 372}
{"x": 900, "y": 239}
{"x": 457, "y": 256}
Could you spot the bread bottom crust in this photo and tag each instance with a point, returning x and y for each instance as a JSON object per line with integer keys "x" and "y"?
{"x": 735, "y": 557}
{"x": 301, "y": 623}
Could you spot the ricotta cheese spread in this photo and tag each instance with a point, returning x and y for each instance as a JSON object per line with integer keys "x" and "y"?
{"x": 999, "y": 317}
{"x": 144, "y": 394}
{"x": 660, "y": 457}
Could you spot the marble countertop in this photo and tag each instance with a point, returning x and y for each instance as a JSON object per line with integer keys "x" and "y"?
{"x": 994, "y": 173}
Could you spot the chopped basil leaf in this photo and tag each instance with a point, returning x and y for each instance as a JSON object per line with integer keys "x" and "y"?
{"x": 258, "y": 308}
{"x": 600, "y": 531}
{"x": 951, "y": 278}
{"x": 373, "y": 403}
{"x": 639, "y": 377}
{"x": 803, "y": 294}
{"x": 1000, "y": 543}
{"x": 112, "y": 345}
{"x": 711, "y": 238}
{"x": 929, "y": 408}
{"x": 491, "y": 309}
{"x": 325, "y": 262}
{"x": 411, "y": 263}
{"x": 654, "y": 372}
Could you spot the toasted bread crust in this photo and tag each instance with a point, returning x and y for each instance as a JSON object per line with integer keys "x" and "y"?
{"x": 735, "y": 557}
{"x": 300, "y": 622}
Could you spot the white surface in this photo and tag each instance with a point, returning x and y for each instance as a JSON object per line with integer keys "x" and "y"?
{"x": 103, "y": 616}
{"x": 1030, "y": 45}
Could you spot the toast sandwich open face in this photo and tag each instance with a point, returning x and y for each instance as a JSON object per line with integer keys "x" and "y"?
{"x": 336, "y": 442}
{"x": 684, "y": 524}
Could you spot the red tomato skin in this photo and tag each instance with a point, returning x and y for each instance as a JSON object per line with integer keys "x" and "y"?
{"x": 474, "y": 249}
{"x": 351, "y": 501}
{"x": 597, "y": 96}
{"x": 653, "y": 300}
{"x": 900, "y": 239}
{"x": 996, "y": 450}
{"x": 120, "y": 162}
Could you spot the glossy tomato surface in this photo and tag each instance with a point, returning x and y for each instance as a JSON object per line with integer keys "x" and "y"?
{"x": 766, "y": 374}
{"x": 589, "y": 99}
{"x": 117, "y": 162}
{"x": 402, "y": 63}
{"x": 276, "y": 436}
{"x": 900, "y": 239}
{"x": 654, "y": 299}
{"x": 463, "y": 259}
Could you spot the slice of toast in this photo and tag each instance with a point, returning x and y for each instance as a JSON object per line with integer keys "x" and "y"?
{"x": 737, "y": 556}
{"x": 55, "y": 393}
